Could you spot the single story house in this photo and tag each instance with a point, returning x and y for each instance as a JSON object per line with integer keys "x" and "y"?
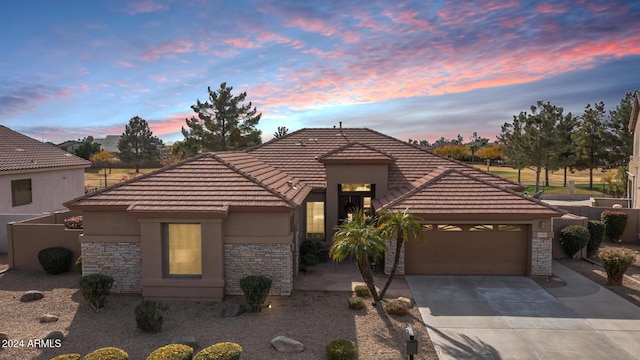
{"x": 194, "y": 228}
{"x": 35, "y": 178}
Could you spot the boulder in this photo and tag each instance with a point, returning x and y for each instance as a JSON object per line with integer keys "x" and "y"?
{"x": 185, "y": 340}
{"x": 287, "y": 345}
{"x": 55, "y": 334}
{"x": 406, "y": 301}
{"x": 231, "y": 309}
{"x": 31, "y": 295}
{"x": 48, "y": 318}
{"x": 3, "y": 337}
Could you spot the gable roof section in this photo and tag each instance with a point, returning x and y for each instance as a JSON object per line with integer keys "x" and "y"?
{"x": 207, "y": 183}
{"x": 298, "y": 153}
{"x": 19, "y": 152}
{"x": 451, "y": 191}
{"x": 355, "y": 152}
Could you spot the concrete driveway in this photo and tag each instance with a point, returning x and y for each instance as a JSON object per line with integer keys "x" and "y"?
{"x": 505, "y": 317}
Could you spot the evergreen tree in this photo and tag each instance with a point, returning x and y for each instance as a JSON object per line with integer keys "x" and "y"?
{"x": 538, "y": 139}
{"x": 138, "y": 143}
{"x": 591, "y": 138}
{"x": 621, "y": 141}
{"x": 87, "y": 148}
{"x": 282, "y": 131}
{"x": 511, "y": 139}
{"x": 223, "y": 122}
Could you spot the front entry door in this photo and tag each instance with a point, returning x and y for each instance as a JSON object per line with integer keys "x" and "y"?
{"x": 348, "y": 205}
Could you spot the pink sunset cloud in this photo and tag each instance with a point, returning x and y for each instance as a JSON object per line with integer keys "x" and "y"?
{"x": 168, "y": 49}
{"x": 146, "y": 6}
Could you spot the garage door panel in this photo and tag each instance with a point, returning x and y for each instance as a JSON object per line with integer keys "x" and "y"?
{"x": 468, "y": 252}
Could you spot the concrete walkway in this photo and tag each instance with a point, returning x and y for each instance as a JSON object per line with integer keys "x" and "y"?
{"x": 504, "y": 317}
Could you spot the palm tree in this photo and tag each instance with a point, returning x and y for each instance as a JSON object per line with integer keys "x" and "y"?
{"x": 358, "y": 238}
{"x": 405, "y": 226}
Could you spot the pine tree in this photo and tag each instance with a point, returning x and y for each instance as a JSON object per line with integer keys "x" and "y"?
{"x": 138, "y": 143}
{"x": 223, "y": 122}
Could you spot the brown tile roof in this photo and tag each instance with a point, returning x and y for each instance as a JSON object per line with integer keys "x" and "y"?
{"x": 20, "y": 152}
{"x": 208, "y": 183}
{"x": 355, "y": 152}
{"x": 451, "y": 191}
{"x": 297, "y": 154}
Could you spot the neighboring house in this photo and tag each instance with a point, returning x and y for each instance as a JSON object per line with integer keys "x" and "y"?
{"x": 193, "y": 229}
{"x": 109, "y": 143}
{"x": 69, "y": 146}
{"x": 634, "y": 162}
{"x": 34, "y": 178}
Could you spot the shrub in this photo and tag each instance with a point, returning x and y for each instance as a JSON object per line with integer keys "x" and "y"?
{"x": 341, "y": 349}
{"x": 74, "y": 222}
{"x": 308, "y": 254}
{"x": 573, "y": 238}
{"x": 95, "y": 288}
{"x": 362, "y": 291}
{"x": 614, "y": 224}
{"x": 172, "y": 352}
{"x": 356, "y": 303}
{"x": 220, "y": 351}
{"x": 149, "y": 315}
{"x": 396, "y": 307}
{"x": 108, "y": 353}
{"x": 78, "y": 264}
{"x": 255, "y": 289}
{"x": 616, "y": 261}
{"x": 55, "y": 260}
{"x": 67, "y": 357}
{"x": 596, "y": 232}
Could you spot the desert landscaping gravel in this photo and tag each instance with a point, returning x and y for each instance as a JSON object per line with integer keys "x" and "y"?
{"x": 312, "y": 317}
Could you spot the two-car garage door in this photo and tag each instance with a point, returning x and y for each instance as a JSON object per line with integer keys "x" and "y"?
{"x": 474, "y": 249}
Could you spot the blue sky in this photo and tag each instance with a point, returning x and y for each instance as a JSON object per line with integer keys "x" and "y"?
{"x": 419, "y": 70}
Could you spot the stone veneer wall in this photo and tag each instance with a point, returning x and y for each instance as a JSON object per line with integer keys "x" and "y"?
{"x": 272, "y": 260}
{"x": 122, "y": 261}
{"x": 541, "y": 254}
{"x": 390, "y": 255}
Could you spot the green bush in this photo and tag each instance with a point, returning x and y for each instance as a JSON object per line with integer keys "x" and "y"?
{"x": 573, "y": 238}
{"x": 149, "y": 315}
{"x": 55, "y": 260}
{"x": 396, "y": 307}
{"x": 255, "y": 289}
{"x": 356, "y": 303}
{"x": 220, "y": 351}
{"x": 172, "y": 352}
{"x": 67, "y": 357}
{"x": 78, "y": 264}
{"x": 308, "y": 254}
{"x": 614, "y": 224}
{"x": 95, "y": 289}
{"x": 362, "y": 291}
{"x": 616, "y": 261}
{"x": 341, "y": 349}
{"x": 596, "y": 232}
{"x": 108, "y": 353}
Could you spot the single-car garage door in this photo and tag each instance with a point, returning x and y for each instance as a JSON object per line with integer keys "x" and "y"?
{"x": 469, "y": 249}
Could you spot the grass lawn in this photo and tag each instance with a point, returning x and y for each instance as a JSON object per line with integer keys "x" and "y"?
{"x": 556, "y": 179}
{"x": 95, "y": 177}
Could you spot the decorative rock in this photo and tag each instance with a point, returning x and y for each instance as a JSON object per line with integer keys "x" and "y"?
{"x": 287, "y": 345}
{"x": 186, "y": 340}
{"x": 231, "y": 309}
{"x": 48, "y": 318}
{"x": 55, "y": 334}
{"x": 3, "y": 337}
{"x": 406, "y": 301}
{"x": 31, "y": 295}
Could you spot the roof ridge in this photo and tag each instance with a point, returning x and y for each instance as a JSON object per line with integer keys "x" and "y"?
{"x": 351, "y": 144}
{"x": 438, "y": 173}
{"x": 255, "y": 180}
